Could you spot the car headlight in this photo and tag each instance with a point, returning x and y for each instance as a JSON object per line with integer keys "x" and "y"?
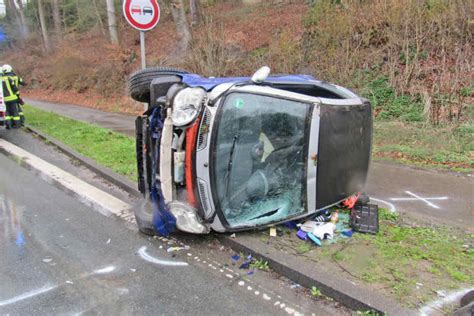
{"x": 187, "y": 106}
{"x": 186, "y": 218}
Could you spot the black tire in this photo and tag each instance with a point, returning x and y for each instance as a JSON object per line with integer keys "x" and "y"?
{"x": 144, "y": 217}
{"x": 139, "y": 82}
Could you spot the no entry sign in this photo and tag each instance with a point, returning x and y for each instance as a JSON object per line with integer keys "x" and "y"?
{"x": 142, "y": 14}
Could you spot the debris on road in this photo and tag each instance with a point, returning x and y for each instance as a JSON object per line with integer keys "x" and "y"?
{"x": 273, "y": 232}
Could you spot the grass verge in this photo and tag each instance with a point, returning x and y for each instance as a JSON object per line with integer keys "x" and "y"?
{"x": 407, "y": 260}
{"x": 448, "y": 147}
{"x": 107, "y": 148}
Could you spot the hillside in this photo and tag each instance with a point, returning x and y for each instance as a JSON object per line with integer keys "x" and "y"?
{"x": 411, "y": 58}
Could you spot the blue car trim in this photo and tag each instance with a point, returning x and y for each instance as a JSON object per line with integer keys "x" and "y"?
{"x": 208, "y": 84}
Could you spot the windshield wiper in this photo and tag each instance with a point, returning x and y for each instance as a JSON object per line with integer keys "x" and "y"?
{"x": 229, "y": 164}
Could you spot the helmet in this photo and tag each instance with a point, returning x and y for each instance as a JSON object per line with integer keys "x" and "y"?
{"x": 7, "y": 68}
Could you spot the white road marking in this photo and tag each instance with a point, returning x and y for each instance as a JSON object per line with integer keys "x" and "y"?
{"x": 433, "y": 307}
{"x": 390, "y": 205}
{"x": 104, "y": 270}
{"x": 415, "y": 199}
{"x": 27, "y": 295}
{"x": 88, "y": 194}
{"x": 145, "y": 256}
{"x": 419, "y": 198}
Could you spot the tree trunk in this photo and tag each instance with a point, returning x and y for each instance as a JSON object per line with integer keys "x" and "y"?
{"x": 99, "y": 18}
{"x": 12, "y": 9}
{"x": 24, "y": 29}
{"x": 182, "y": 27}
{"x": 56, "y": 19}
{"x": 112, "y": 21}
{"x": 44, "y": 30}
{"x": 195, "y": 6}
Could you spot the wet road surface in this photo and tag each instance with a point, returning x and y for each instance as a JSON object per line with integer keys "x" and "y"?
{"x": 58, "y": 256}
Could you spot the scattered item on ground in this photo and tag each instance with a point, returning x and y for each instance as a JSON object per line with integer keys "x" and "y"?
{"x": 291, "y": 224}
{"x": 108, "y": 241}
{"x": 365, "y": 218}
{"x": 245, "y": 265}
{"x": 232, "y": 236}
{"x": 324, "y": 231}
{"x": 47, "y": 260}
{"x": 302, "y": 235}
{"x": 347, "y": 233}
{"x": 314, "y": 239}
{"x": 251, "y": 272}
{"x": 309, "y": 226}
{"x": 295, "y": 286}
{"x": 335, "y": 217}
{"x": 235, "y": 258}
{"x": 175, "y": 249}
{"x": 273, "y": 232}
{"x": 351, "y": 201}
{"x": 322, "y": 216}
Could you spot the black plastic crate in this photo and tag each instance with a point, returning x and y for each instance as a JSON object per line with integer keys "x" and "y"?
{"x": 365, "y": 218}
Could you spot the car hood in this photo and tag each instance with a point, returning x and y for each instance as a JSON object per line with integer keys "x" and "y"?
{"x": 208, "y": 84}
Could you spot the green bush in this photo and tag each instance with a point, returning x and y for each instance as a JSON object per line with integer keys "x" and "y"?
{"x": 388, "y": 105}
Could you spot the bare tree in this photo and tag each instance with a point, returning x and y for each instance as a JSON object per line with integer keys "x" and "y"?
{"x": 44, "y": 30}
{"x": 182, "y": 27}
{"x": 19, "y": 17}
{"x": 56, "y": 19}
{"x": 112, "y": 21}
{"x": 195, "y": 6}
{"x": 24, "y": 29}
{"x": 99, "y": 17}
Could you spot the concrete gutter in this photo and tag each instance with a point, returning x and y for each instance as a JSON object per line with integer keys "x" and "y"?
{"x": 296, "y": 269}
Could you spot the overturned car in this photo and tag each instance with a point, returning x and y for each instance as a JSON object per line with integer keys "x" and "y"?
{"x": 238, "y": 153}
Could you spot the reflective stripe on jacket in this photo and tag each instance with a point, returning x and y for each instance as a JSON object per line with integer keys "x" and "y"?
{"x": 10, "y": 91}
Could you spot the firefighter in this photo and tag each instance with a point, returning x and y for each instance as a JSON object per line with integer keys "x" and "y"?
{"x": 10, "y": 96}
{"x": 18, "y": 81}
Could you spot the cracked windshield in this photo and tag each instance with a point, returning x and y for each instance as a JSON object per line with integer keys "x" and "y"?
{"x": 260, "y": 161}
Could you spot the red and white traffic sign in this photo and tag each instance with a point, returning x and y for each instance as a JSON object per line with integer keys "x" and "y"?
{"x": 142, "y": 14}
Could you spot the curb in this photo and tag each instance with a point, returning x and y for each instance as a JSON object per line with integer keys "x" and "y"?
{"x": 341, "y": 290}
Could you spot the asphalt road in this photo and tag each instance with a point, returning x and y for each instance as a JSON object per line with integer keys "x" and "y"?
{"x": 59, "y": 256}
{"x": 433, "y": 196}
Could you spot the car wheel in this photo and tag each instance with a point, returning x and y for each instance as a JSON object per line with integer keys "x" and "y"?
{"x": 139, "y": 82}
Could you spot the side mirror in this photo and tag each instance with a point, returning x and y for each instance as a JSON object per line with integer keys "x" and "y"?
{"x": 260, "y": 75}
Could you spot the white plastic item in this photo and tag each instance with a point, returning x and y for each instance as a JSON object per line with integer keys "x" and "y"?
{"x": 324, "y": 231}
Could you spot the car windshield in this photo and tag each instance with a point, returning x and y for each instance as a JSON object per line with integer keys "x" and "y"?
{"x": 260, "y": 157}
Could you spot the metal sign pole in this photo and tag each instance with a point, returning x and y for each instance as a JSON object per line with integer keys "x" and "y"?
{"x": 142, "y": 48}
